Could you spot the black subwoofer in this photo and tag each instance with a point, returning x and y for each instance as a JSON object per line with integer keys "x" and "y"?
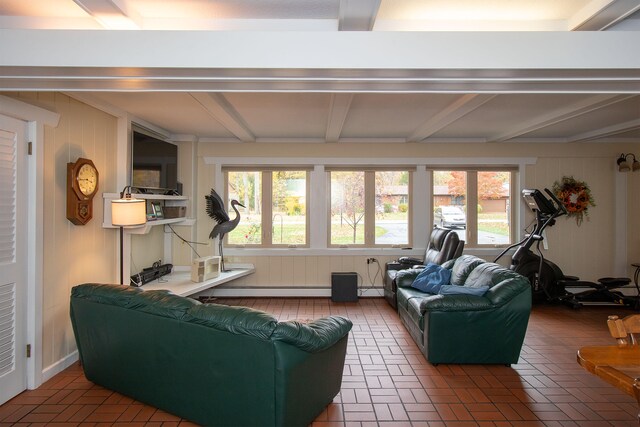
{"x": 344, "y": 287}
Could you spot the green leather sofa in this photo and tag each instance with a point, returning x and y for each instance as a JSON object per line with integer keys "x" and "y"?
{"x": 461, "y": 329}
{"x": 211, "y": 364}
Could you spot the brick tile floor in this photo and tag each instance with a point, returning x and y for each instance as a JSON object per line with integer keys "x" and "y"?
{"x": 387, "y": 381}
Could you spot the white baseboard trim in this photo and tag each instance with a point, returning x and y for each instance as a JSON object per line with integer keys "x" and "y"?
{"x": 62, "y": 364}
{"x": 284, "y": 292}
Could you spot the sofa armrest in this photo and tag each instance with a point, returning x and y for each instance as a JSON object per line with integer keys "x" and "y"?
{"x": 506, "y": 290}
{"x": 314, "y": 336}
{"x": 405, "y": 278}
{"x": 394, "y": 266}
{"x": 455, "y": 303}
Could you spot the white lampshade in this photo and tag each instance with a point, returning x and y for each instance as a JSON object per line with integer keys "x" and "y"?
{"x": 128, "y": 212}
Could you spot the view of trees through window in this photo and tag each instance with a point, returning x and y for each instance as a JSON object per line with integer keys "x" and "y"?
{"x": 368, "y": 207}
{"x": 286, "y": 203}
{"x": 494, "y": 206}
{"x": 246, "y": 187}
{"x": 392, "y": 207}
{"x": 381, "y": 213}
{"x": 289, "y": 207}
{"x": 347, "y": 208}
{"x": 492, "y": 200}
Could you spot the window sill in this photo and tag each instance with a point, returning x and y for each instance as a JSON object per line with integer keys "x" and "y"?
{"x": 486, "y": 253}
{"x": 322, "y": 251}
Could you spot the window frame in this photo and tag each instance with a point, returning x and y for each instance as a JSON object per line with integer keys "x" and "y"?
{"x": 266, "y": 199}
{"x": 369, "y": 207}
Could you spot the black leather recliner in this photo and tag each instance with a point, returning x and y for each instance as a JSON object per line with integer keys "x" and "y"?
{"x": 444, "y": 244}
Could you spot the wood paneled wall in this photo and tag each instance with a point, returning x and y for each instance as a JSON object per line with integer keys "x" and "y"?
{"x": 73, "y": 254}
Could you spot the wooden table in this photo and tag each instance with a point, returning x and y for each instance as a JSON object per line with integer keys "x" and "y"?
{"x": 619, "y": 365}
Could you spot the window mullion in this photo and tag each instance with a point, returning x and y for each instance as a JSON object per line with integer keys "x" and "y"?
{"x": 513, "y": 195}
{"x": 267, "y": 197}
{"x": 369, "y": 208}
{"x": 472, "y": 208}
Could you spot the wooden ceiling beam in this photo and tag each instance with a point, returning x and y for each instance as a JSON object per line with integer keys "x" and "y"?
{"x": 338, "y": 110}
{"x": 217, "y": 106}
{"x": 614, "y": 129}
{"x": 462, "y": 106}
{"x": 567, "y": 112}
{"x": 598, "y": 15}
{"x": 357, "y": 15}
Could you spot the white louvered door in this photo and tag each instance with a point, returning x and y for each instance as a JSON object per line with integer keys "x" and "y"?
{"x": 13, "y": 238}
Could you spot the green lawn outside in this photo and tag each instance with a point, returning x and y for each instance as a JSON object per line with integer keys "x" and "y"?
{"x": 494, "y": 222}
{"x": 294, "y": 230}
{"x": 500, "y": 228}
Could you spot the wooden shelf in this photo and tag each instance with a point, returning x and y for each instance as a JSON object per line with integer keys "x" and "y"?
{"x": 169, "y": 201}
{"x": 179, "y": 282}
{"x": 147, "y": 227}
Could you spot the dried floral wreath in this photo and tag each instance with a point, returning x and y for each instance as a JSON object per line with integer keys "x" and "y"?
{"x": 576, "y": 197}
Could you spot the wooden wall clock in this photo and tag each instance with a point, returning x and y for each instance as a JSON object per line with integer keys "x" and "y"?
{"x": 82, "y": 185}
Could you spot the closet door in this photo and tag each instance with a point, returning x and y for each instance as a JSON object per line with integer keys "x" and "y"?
{"x": 13, "y": 257}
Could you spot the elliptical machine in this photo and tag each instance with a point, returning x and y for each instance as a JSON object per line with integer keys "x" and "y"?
{"x": 548, "y": 282}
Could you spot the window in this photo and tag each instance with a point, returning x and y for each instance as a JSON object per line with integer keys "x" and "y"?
{"x": 392, "y": 208}
{"x": 494, "y": 206}
{"x": 369, "y": 208}
{"x": 490, "y": 221}
{"x": 275, "y": 212}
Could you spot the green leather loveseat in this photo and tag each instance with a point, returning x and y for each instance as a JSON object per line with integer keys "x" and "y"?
{"x": 212, "y": 364}
{"x": 487, "y": 329}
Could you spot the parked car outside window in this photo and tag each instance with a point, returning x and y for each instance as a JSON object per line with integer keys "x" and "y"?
{"x": 449, "y": 217}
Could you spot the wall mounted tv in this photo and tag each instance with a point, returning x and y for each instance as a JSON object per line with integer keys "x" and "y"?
{"x": 154, "y": 163}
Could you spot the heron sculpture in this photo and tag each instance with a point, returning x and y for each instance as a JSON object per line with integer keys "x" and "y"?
{"x": 216, "y": 210}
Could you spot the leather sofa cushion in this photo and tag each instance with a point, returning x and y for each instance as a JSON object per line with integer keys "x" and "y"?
{"x": 466, "y": 290}
{"x": 405, "y": 294}
{"x": 237, "y": 320}
{"x": 405, "y": 278}
{"x": 487, "y": 274}
{"x": 105, "y": 294}
{"x": 462, "y": 267}
{"x": 315, "y": 336}
{"x": 162, "y": 303}
{"x": 455, "y": 303}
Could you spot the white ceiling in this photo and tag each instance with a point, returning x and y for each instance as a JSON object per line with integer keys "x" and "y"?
{"x": 376, "y": 15}
{"x": 385, "y": 117}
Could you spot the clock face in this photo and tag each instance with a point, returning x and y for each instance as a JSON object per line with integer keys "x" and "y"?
{"x": 87, "y": 179}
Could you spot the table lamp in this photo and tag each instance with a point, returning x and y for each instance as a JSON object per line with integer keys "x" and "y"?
{"x": 127, "y": 211}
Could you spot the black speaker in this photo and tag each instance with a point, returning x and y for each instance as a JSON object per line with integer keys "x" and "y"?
{"x": 344, "y": 287}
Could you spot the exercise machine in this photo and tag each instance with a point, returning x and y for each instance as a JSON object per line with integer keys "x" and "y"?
{"x": 548, "y": 282}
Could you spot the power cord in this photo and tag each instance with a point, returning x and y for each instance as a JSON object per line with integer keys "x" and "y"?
{"x": 372, "y": 283}
{"x": 186, "y": 241}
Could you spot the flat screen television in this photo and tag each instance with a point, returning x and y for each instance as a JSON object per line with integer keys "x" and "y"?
{"x": 154, "y": 163}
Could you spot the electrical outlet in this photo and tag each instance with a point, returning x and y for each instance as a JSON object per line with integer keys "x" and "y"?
{"x": 370, "y": 260}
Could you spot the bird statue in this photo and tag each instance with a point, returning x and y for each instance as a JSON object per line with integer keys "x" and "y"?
{"x": 216, "y": 210}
